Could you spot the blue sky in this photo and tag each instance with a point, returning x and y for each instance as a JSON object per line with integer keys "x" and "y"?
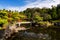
{"x": 21, "y": 5}
{"x": 12, "y": 2}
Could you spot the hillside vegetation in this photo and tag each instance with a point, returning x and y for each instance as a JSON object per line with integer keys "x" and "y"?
{"x": 30, "y": 14}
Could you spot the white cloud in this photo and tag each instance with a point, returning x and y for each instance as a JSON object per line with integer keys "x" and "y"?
{"x": 37, "y": 3}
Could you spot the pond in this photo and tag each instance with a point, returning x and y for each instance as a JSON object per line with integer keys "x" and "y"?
{"x": 37, "y": 33}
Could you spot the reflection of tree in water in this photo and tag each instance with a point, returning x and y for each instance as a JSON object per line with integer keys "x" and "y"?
{"x": 58, "y": 34}
{"x": 53, "y": 33}
{"x": 34, "y": 34}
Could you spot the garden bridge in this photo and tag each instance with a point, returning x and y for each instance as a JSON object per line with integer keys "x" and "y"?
{"x": 13, "y": 29}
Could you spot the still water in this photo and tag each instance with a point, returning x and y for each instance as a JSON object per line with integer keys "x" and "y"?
{"x": 37, "y": 33}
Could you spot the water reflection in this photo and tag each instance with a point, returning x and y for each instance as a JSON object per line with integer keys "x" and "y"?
{"x": 32, "y": 36}
{"x": 39, "y": 35}
{"x": 1, "y": 33}
{"x": 52, "y": 33}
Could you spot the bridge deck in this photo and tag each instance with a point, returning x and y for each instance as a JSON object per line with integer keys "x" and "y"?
{"x": 23, "y": 22}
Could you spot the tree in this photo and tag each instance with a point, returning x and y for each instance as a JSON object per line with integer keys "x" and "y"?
{"x": 3, "y": 21}
{"x": 37, "y": 17}
{"x": 58, "y": 11}
{"x": 47, "y": 17}
{"x": 3, "y": 15}
{"x": 28, "y": 12}
{"x": 54, "y": 14}
{"x": 15, "y": 15}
